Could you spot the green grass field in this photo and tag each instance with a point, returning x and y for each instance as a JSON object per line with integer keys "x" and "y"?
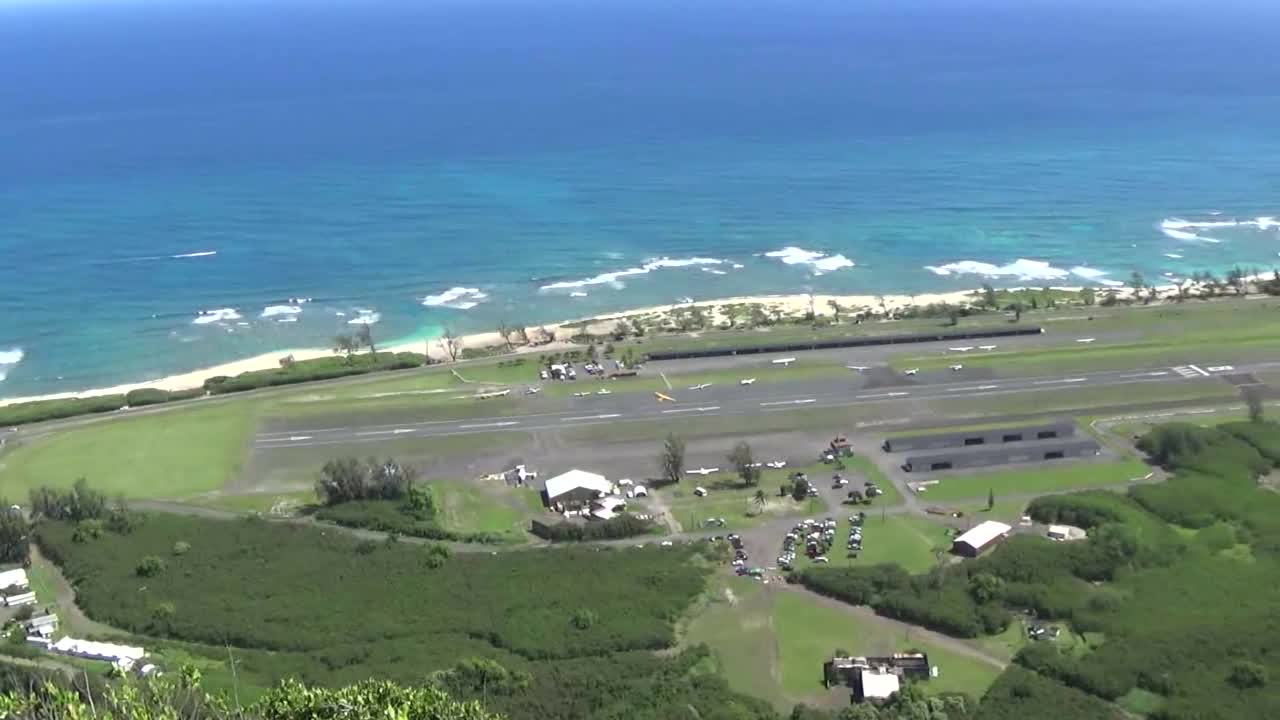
{"x": 257, "y": 502}
{"x": 1029, "y": 481}
{"x": 172, "y": 454}
{"x": 1085, "y": 398}
{"x": 470, "y": 508}
{"x": 737, "y": 505}
{"x": 808, "y": 634}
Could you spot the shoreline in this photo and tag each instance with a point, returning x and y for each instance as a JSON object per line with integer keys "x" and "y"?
{"x": 559, "y": 333}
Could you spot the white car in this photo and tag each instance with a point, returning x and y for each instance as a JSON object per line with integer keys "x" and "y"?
{"x": 667, "y": 543}
{"x": 821, "y": 559}
{"x": 911, "y": 371}
{"x": 746, "y": 381}
{"x": 956, "y": 368}
{"x": 700, "y": 491}
{"x": 604, "y": 391}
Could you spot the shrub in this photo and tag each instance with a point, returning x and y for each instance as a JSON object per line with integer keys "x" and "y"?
{"x": 181, "y": 547}
{"x": 150, "y": 566}
{"x": 622, "y": 526}
{"x": 41, "y": 410}
{"x": 146, "y": 396}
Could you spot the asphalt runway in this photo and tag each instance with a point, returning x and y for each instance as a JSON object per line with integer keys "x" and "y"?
{"x": 874, "y": 385}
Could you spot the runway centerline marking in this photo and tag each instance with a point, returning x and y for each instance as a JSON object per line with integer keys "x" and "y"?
{"x": 976, "y": 387}
{"x": 880, "y": 395}
{"x": 591, "y": 417}
{"x": 788, "y": 402}
{"x": 692, "y": 409}
{"x": 1146, "y": 374}
{"x": 489, "y": 425}
{"x": 1063, "y": 380}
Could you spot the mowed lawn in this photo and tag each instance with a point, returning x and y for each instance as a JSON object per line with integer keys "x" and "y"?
{"x": 472, "y": 508}
{"x": 1041, "y": 479}
{"x": 808, "y": 633}
{"x": 171, "y": 454}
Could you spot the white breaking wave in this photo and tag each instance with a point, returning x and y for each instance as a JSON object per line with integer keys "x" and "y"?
{"x": 792, "y": 255}
{"x": 738, "y": 266}
{"x": 1021, "y": 268}
{"x": 275, "y": 310}
{"x": 614, "y": 278}
{"x": 289, "y": 319}
{"x": 577, "y": 293}
{"x": 204, "y": 317}
{"x": 202, "y": 253}
{"x": 1185, "y": 235}
{"x": 713, "y": 271}
{"x": 365, "y": 317}
{"x": 459, "y": 298}
{"x": 1175, "y": 256}
{"x": 1111, "y": 283}
{"x": 1180, "y": 229}
{"x": 8, "y": 360}
{"x": 1091, "y": 274}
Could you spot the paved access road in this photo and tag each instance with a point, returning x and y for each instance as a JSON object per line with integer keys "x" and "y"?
{"x": 873, "y": 385}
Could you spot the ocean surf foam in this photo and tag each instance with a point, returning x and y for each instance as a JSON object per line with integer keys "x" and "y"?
{"x": 365, "y": 317}
{"x": 1180, "y": 229}
{"x": 615, "y": 277}
{"x": 8, "y": 360}
{"x": 1021, "y": 269}
{"x": 821, "y": 261}
{"x": 277, "y": 310}
{"x": 458, "y": 298}
{"x": 204, "y": 317}
{"x": 202, "y": 253}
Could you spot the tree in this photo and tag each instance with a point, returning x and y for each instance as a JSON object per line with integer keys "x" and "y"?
{"x": 620, "y": 330}
{"x": 1245, "y": 674}
{"x": 835, "y": 309}
{"x": 450, "y": 343}
{"x": 345, "y": 345}
{"x": 1236, "y": 279}
{"x": 1253, "y": 400}
{"x": 14, "y": 534}
{"x": 989, "y": 296}
{"x": 364, "y": 337}
{"x": 800, "y": 490}
{"x": 1137, "y": 282}
{"x": 150, "y": 566}
{"x": 953, "y": 316}
{"x": 1017, "y": 312}
{"x": 1088, "y": 296}
{"x": 672, "y": 460}
{"x": 744, "y": 464}
{"x": 991, "y": 499}
{"x": 985, "y": 587}
{"x": 760, "y": 500}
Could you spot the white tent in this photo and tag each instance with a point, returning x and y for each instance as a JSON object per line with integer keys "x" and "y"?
{"x": 878, "y": 686}
{"x": 123, "y": 656}
{"x": 14, "y": 578}
{"x": 574, "y": 479}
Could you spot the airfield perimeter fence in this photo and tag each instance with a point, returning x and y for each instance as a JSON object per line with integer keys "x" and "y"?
{"x": 868, "y": 341}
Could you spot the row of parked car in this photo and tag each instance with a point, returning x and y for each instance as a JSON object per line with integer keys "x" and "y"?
{"x": 566, "y": 371}
{"x": 817, "y": 536}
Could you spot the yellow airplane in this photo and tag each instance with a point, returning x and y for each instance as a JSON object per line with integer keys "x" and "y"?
{"x": 663, "y": 398}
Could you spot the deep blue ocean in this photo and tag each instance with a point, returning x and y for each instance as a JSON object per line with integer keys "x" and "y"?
{"x": 467, "y": 161}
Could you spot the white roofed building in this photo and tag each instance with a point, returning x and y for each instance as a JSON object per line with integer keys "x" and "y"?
{"x": 980, "y": 538}
{"x": 122, "y": 656}
{"x": 575, "y": 490}
{"x": 876, "y": 685}
{"x": 14, "y": 578}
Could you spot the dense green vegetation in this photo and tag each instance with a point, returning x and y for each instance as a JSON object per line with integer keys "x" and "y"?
{"x": 290, "y": 373}
{"x": 399, "y": 517}
{"x": 623, "y": 526}
{"x": 1020, "y": 694}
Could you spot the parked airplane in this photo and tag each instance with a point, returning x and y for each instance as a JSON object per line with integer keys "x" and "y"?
{"x": 966, "y": 348}
{"x": 859, "y": 368}
{"x": 1086, "y": 340}
{"x": 581, "y": 394}
{"x": 704, "y": 471}
{"x": 533, "y": 391}
{"x": 911, "y": 371}
{"x": 663, "y": 398}
{"x": 702, "y": 386}
{"x": 776, "y": 464}
{"x": 604, "y": 391}
{"x": 986, "y": 347}
{"x": 495, "y": 394}
{"x": 747, "y": 381}
{"x": 784, "y": 361}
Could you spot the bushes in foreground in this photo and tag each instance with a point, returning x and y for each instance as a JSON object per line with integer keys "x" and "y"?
{"x": 41, "y": 410}
{"x": 1019, "y": 694}
{"x": 623, "y": 526}
{"x": 395, "y": 516}
{"x": 313, "y": 370}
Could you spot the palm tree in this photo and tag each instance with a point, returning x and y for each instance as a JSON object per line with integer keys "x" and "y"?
{"x": 760, "y": 500}
{"x": 346, "y": 345}
{"x": 364, "y": 336}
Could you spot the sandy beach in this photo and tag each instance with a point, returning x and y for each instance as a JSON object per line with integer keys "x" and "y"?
{"x": 717, "y": 311}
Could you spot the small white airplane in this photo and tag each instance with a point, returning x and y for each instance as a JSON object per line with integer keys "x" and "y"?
{"x": 494, "y": 394}
{"x": 755, "y": 465}
{"x": 966, "y": 348}
{"x": 986, "y": 347}
{"x": 956, "y": 368}
{"x": 911, "y": 371}
{"x": 533, "y": 391}
{"x": 702, "y": 386}
{"x": 704, "y": 471}
{"x": 604, "y": 391}
{"x": 859, "y": 368}
{"x": 747, "y": 381}
{"x": 581, "y": 394}
{"x": 776, "y": 464}
{"x": 784, "y": 361}
{"x": 1086, "y": 340}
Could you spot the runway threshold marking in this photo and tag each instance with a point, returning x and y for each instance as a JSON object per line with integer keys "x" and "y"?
{"x": 591, "y": 417}
{"x": 693, "y": 409}
{"x": 788, "y": 402}
{"x": 489, "y": 425}
{"x": 1200, "y": 370}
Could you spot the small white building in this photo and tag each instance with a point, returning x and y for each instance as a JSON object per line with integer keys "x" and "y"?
{"x": 27, "y": 598}
{"x": 122, "y": 656}
{"x": 575, "y": 489}
{"x": 16, "y": 578}
{"x": 876, "y": 685}
{"x": 608, "y": 508}
{"x": 42, "y": 625}
{"x": 980, "y": 538}
{"x": 638, "y": 491}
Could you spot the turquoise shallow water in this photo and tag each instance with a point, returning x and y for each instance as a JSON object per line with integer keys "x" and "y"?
{"x": 465, "y": 164}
